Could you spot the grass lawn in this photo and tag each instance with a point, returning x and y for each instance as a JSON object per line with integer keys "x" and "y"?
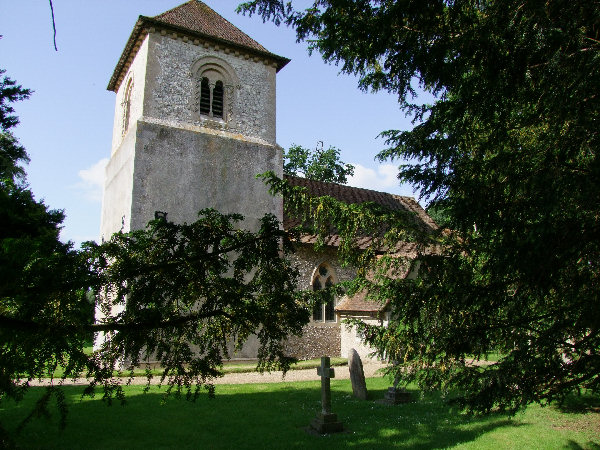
{"x": 276, "y": 415}
{"x": 228, "y": 366}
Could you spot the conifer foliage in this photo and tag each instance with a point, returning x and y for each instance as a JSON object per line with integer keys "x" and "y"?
{"x": 185, "y": 295}
{"x": 508, "y": 150}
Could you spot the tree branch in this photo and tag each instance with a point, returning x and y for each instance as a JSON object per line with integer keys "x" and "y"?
{"x": 11, "y": 323}
{"x": 53, "y": 24}
{"x": 148, "y": 268}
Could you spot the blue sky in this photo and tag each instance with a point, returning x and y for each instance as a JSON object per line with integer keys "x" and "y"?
{"x": 66, "y": 126}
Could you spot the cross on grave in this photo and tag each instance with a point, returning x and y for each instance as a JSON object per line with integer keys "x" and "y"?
{"x": 326, "y": 421}
{"x": 326, "y": 373}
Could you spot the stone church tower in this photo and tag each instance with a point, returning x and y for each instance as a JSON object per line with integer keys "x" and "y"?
{"x": 194, "y": 122}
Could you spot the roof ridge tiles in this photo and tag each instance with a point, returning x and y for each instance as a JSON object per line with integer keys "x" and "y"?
{"x": 350, "y": 188}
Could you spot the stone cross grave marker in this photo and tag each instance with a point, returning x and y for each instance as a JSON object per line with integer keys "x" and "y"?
{"x": 326, "y": 373}
{"x": 326, "y": 421}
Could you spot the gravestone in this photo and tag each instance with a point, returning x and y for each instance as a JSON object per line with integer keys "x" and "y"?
{"x": 394, "y": 396}
{"x": 357, "y": 375}
{"x": 326, "y": 421}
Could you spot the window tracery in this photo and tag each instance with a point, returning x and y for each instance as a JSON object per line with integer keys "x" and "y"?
{"x": 324, "y": 278}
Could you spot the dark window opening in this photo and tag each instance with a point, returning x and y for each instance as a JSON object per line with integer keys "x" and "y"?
{"x": 204, "y": 97}
{"x": 217, "y": 101}
{"x": 317, "y": 285}
{"x": 318, "y": 313}
{"x": 329, "y": 311}
{"x": 318, "y": 308}
{"x": 212, "y": 98}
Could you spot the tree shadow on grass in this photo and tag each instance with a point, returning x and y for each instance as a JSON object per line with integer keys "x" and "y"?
{"x": 426, "y": 422}
{"x": 580, "y": 403}
{"x": 251, "y": 416}
{"x": 575, "y": 446}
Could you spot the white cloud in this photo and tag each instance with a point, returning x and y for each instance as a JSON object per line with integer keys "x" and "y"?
{"x": 380, "y": 179}
{"x": 383, "y": 177}
{"x": 92, "y": 181}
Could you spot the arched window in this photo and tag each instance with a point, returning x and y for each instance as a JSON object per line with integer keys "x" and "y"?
{"x": 214, "y": 81}
{"x": 324, "y": 278}
{"x": 212, "y": 94}
{"x": 127, "y": 106}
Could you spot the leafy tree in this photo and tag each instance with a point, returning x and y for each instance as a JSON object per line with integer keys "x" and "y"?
{"x": 439, "y": 215}
{"x": 320, "y": 165}
{"x": 509, "y": 151}
{"x": 186, "y": 295}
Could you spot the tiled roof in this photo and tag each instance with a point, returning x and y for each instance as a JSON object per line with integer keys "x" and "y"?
{"x": 197, "y": 16}
{"x": 195, "y": 20}
{"x": 359, "y": 303}
{"x": 350, "y": 195}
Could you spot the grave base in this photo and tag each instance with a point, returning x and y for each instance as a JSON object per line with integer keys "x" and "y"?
{"x": 326, "y": 423}
{"x": 395, "y": 396}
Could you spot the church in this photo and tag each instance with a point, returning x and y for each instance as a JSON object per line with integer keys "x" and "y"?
{"x": 194, "y": 124}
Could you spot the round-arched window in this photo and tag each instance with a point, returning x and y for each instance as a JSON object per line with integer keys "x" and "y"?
{"x": 214, "y": 86}
{"x": 127, "y": 106}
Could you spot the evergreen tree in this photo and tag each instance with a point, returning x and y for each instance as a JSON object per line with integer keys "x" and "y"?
{"x": 509, "y": 152}
{"x": 184, "y": 295}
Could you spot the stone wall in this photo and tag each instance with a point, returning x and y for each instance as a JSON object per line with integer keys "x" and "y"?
{"x": 316, "y": 341}
{"x": 349, "y": 338}
{"x": 318, "y": 338}
{"x": 181, "y": 172}
{"x": 307, "y": 261}
{"x": 118, "y": 187}
{"x": 136, "y": 73}
{"x": 170, "y": 87}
